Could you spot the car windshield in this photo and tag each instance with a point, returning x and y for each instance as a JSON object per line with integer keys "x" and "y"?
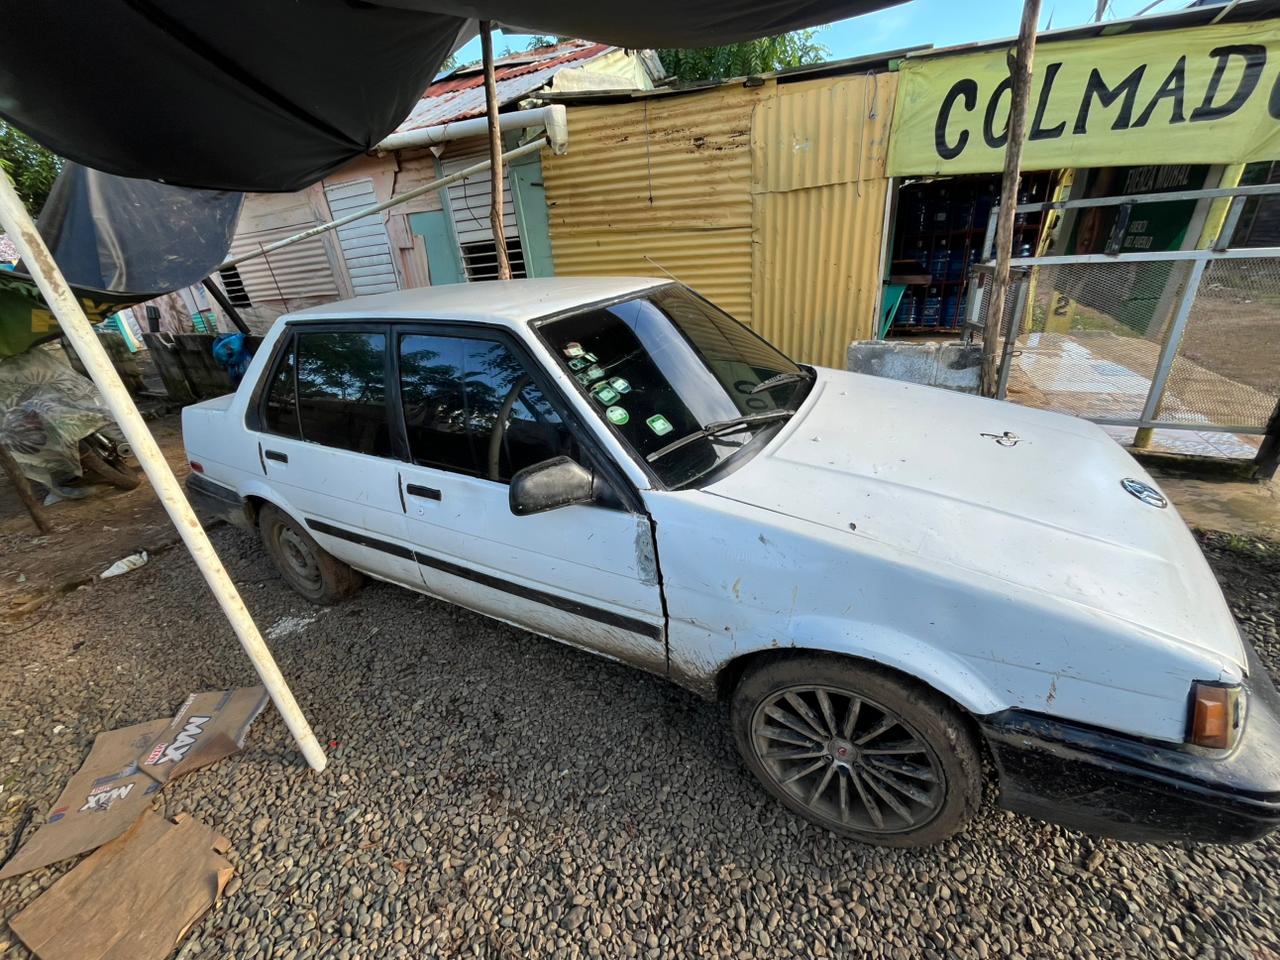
{"x": 680, "y": 381}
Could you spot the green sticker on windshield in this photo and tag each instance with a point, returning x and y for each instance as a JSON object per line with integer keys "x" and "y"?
{"x": 659, "y": 424}
{"x": 573, "y": 350}
{"x": 594, "y": 373}
{"x": 617, "y": 416}
{"x": 606, "y": 394}
{"x": 620, "y": 385}
{"x": 577, "y": 363}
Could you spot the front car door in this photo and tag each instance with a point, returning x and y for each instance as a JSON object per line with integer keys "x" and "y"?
{"x": 327, "y": 444}
{"x": 476, "y": 410}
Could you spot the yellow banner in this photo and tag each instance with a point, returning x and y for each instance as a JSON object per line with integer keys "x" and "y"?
{"x": 1201, "y": 95}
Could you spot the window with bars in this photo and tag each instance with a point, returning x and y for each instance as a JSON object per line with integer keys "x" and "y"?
{"x": 480, "y": 258}
{"x": 233, "y": 284}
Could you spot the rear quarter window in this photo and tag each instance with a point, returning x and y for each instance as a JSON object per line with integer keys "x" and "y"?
{"x": 280, "y": 410}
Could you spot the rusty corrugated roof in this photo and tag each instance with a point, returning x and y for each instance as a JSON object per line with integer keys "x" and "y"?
{"x": 458, "y": 97}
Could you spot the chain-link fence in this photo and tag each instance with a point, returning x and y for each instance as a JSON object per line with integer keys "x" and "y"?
{"x": 1185, "y": 341}
{"x": 1092, "y": 336}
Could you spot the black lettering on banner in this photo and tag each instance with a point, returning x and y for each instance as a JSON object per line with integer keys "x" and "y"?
{"x": 989, "y": 134}
{"x": 1097, "y": 87}
{"x": 1255, "y": 58}
{"x": 1175, "y": 88}
{"x": 1038, "y": 132}
{"x": 968, "y": 90}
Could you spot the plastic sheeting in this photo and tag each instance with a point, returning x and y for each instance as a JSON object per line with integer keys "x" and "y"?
{"x": 118, "y": 241}
{"x": 253, "y": 96}
{"x": 46, "y": 409}
{"x": 136, "y": 236}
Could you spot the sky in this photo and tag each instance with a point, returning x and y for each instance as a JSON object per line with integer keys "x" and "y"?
{"x": 942, "y": 23}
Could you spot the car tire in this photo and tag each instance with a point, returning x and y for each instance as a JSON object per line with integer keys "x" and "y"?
{"x": 915, "y": 782}
{"x": 304, "y": 564}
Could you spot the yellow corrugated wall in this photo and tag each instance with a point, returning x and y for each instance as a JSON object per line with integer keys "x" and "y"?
{"x": 769, "y": 200}
{"x": 664, "y": 177}
{"x": 818, "y": 203}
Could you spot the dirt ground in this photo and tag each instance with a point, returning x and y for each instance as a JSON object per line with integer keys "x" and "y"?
{"x": 1235, "y": 333}
{"x": 87, "y": 536}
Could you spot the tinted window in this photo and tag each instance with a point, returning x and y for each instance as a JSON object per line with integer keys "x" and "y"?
{"x": 455, "y": 390}
{"x": 342, "y": 391}
{"x": 280, "y": 413}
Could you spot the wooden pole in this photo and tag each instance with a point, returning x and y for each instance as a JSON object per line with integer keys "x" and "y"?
{"x": 25, "y": 493}
{"x": 495, "y": 150}
{"x": 1020, "y": 96}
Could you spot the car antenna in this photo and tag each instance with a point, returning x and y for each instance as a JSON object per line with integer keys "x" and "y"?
{"x": 664, "y": 269}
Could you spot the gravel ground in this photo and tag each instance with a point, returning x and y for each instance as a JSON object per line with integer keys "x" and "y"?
{"x": 493, "y": 794}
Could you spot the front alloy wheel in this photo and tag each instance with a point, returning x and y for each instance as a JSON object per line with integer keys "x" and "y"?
{"x": 857, "y": 750}
{"x": 854, "y": 763}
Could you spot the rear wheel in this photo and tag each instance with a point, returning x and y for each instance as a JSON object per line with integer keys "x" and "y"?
{"x": 302, "y": 562}
{"x": 119, "y": 474}
{"x": 857, "y": 750}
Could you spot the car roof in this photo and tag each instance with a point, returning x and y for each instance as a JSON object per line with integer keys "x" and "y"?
{"x": 505, "y": 302}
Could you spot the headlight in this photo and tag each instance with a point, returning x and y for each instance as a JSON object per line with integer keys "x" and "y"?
{"x": 1217, "y": 715}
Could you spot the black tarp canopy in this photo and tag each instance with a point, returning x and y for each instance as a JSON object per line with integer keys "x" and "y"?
{"x": 260, "y": 95}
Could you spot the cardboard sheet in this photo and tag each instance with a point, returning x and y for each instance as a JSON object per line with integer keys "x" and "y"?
{"x": 126, "y": 767}
{"x": 100, "y": 802}
{"x": 133, "y": 899}
{"x": 208, "y": 727}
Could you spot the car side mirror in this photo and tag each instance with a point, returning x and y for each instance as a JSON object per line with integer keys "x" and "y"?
{"x": 553, "y": 483}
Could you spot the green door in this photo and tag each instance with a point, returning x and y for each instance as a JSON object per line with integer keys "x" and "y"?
{"x": 531, "y": 215}
{"x": 443, "y": 256}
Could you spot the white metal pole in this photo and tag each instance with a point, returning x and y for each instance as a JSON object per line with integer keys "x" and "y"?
{"x": 75, "y": 326}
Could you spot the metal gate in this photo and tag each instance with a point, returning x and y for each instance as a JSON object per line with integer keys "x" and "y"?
{"x": 1185, "y": 340}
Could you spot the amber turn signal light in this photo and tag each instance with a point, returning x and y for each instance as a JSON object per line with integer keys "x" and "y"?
{"x": 1215, "y": 715}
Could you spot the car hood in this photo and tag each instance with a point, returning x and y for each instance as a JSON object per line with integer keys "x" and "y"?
{"x": 1017, "y": 497}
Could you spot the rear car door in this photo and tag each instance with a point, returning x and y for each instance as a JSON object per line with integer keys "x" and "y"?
{"x": 327, "y": 445}
{"x": 477, "y": 410}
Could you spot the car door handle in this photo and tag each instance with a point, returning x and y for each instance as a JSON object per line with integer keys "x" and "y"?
{"x": 427, "y": 493}
{"x": 276, "y": 455}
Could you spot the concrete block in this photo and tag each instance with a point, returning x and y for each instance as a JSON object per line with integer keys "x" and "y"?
{"x": 953, "y": 366}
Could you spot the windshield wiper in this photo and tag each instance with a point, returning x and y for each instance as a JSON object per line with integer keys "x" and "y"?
{"x": 779, "y": 379}
{"x": 718, "y": 427}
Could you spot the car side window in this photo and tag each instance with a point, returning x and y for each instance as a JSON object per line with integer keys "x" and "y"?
{"x": 341, "y": 393}
{"x": 280, "y": 411}
{"x": 455, "y": 391}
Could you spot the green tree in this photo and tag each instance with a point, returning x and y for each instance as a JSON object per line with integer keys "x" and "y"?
{"x": 32, "y": 167}
{"x": 749, "y": 58}
{"x": 537, "y": 42}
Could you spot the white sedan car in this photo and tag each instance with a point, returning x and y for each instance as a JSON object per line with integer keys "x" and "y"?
{"x": 890, "y": 585}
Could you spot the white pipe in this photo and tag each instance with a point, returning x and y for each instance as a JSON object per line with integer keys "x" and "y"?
{"x": 75, "y": 326}
{"x": 552, "y": 118}
{"x": 470, "y": 171}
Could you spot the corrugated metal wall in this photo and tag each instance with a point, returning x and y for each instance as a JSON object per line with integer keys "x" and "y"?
{"x": 298, "y": 272}
{"x": 769, "y": 200}
{"x": 664, "y": 177}
{"x": 819, "y": 193}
